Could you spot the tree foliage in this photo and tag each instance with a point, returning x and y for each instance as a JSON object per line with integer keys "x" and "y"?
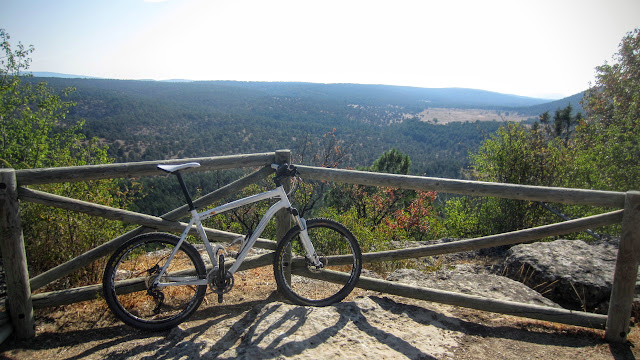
{"x": 608, "y": 140}
{"x": 35, "y": 135}
{"x": 384, "y": 214}
{"x": 599, "y": 151}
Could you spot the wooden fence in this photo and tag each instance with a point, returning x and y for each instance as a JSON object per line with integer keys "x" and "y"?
{"x": 21, "y": 301}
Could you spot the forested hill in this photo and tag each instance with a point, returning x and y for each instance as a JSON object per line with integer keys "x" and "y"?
{"x": 148, "y": 120}
{"x": 535, "y": 110}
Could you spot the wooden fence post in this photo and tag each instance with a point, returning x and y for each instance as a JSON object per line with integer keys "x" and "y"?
{"x": 14, "y": 258}
{"x": 283, "y": 218}
{"x": 626, "y": 272}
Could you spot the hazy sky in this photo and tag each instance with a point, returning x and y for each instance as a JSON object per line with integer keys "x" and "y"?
{"x": 540, "y": 48}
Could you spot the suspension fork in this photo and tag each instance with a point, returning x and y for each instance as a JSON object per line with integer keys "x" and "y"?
{"x": 312, "y": 256}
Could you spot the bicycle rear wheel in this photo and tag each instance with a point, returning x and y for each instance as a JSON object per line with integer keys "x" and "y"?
{"x": 129, "y": 274}
{"x": 338, "y": 251}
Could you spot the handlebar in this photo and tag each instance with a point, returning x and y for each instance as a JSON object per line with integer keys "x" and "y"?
{"x": 285, "y": 170}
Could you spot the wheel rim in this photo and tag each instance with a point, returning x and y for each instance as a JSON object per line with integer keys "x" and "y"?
{"x": 135, "y": 270}
{"x": 314, "y": 286}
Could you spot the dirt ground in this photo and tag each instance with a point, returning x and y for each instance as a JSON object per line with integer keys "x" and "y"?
{"x": 255, "y": 322}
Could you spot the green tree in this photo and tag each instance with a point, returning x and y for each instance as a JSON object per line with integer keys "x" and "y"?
{"x": 608, "y": 152}
{"x": 381, "y": 214}
{"x": 34, "y": 136}
{"x": 393, "y": 162}
{"x": 374, "y": 204}
{"x": 564, "y": 123}
{"x": 515, "y": 154}
{"x": 599, "y": 151}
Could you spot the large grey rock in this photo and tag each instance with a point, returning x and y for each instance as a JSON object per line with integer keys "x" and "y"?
{"x": 468, "y": 279}
{"x": 572, "y": 273}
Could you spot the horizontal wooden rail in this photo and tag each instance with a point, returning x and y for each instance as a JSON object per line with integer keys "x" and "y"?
{"x": 129, "y": 217}
{"x": 143, "y": 168}
{"x": 91, "y": 292}
{"x": 559, "y": 315}
{"x": 83, "y": 260}
{"x": 464, "y": 187}
{"x": 109, "y": 247}
{"x": 510, "y": 238}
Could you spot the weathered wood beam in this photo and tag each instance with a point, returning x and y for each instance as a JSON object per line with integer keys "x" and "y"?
{"x": 85, "y": 259}
{"x": 538, "y": 312}
{"x": 510, "y": 238}
{"x": 476, "y": 188}
{"x": 626, "y": 272}
{"x": 130, "y": 217}
{"x": 143, "y": 168}
{"x": 14, "y": 258}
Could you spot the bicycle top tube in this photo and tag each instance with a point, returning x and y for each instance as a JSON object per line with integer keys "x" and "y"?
{"x": 271, "y": 194}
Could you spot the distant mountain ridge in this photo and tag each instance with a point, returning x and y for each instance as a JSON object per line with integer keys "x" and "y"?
{"x": 574, "y": 100}
{"x": 392, "y": 94}
{"x": 358, "y": 93}
{"x": 59, "y": 75}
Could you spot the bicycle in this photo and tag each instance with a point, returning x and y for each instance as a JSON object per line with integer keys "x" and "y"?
{"x": 156, "y": 280}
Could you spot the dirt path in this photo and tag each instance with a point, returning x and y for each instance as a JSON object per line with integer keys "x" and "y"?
{"x": 257, "y": 324}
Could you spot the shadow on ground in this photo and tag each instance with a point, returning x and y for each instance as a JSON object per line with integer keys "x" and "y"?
{"x": 368, "y": 326}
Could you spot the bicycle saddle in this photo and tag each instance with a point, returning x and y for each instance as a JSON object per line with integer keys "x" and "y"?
{"x": 174, "y": 168}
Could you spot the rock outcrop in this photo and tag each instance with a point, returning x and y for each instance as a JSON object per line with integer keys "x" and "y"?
{"x": 473, "y": 280}
{"x": 572, "y": 273}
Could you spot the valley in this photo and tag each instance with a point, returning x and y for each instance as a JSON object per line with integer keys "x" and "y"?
{"x": 437, "y": 128}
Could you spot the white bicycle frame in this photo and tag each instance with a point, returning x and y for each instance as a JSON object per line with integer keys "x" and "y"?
{"x": 198, "y": 217}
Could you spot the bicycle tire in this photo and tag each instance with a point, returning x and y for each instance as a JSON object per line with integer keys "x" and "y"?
{"x": 131, "y": 268}
{"x": 334, "y": 281}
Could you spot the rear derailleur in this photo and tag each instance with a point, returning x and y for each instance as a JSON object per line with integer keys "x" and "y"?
{"x": 152, "y": 289}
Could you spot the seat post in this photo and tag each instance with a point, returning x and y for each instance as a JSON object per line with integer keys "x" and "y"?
{"x": 185, "y": 191}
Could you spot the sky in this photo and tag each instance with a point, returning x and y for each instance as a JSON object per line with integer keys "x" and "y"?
{"x": 538, "y": 48}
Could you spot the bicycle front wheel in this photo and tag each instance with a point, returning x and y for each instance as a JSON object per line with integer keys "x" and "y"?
{"x": 130, "y": 273}
{"x": 340, "y": 254}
